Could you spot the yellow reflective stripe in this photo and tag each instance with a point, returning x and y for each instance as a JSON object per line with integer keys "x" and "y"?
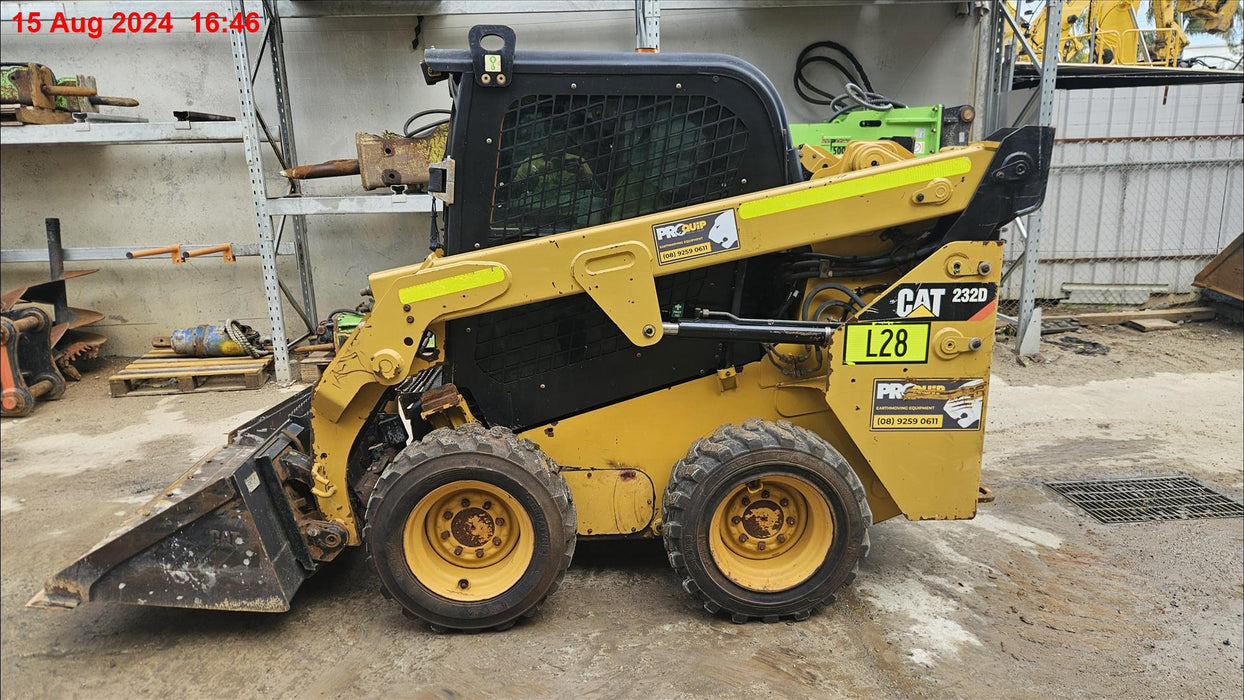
{"x": 868, "y": 184}
{"x": 451, "y": 285}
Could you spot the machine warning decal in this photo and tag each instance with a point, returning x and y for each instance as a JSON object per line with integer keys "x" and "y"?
{"x": 693, "y": 238}
{"x": 881, "y": 343}
{"x": 971, "y": 301}
{"x": 928, "y": 404}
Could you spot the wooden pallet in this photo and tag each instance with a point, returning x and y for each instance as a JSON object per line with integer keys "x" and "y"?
{"x": 163, "y": 371}
{"x": 312, "y": 365}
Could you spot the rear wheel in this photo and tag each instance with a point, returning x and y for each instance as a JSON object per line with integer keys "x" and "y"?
{"x": 470, "y": 529}
{"x": 765, "y": 520}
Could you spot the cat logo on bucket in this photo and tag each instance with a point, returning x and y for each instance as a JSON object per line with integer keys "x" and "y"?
{"x": 696, "y": 237}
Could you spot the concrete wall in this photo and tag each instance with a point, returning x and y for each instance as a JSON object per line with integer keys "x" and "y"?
{"x": 348, "y": 75}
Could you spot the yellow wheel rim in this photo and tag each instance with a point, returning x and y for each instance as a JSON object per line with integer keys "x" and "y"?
{"x": 468, "y": 541}
{"x": 771, "y": 534}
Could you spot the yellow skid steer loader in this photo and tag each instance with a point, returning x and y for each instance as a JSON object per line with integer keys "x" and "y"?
{"x": 648, "y": 317}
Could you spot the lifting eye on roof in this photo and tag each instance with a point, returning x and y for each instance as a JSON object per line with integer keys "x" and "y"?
{"x": 492, "y": 54}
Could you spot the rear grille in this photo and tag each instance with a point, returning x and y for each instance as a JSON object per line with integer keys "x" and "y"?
{"x": 571, "y": 161}
{"x": 1147, "y": 498}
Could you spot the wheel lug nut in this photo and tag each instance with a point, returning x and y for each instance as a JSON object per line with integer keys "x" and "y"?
{"x": 736, "y": 520}
{"x": 784, "y": 502}
{"x": 746, "y": 500}
{"x": 445, "y": 534}
{"x": 487, "y": 505}
{"x": 496, "y": 541}
{"x": 764, "y": 494}
{"x": 500, "y": 522}
{"x": 753, "y": 485}
{"x": 742, "y": 538}
{"x": 790, "y": 521}
{"x": 466, "y": 502}
{"x": 479, "y": 554}
{"x": 781, "y": 539}
{"x": 760, "y": 546}
{"x": 457, "y": 550}
{"x": 447, "y": 515}
{"x": 463, "y": 583}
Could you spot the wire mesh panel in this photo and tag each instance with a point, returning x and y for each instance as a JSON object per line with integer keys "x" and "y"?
{"x": 570, "y": 161}
{"x": 1144, "y": 499}
{"x": 532, "y": 340}
{"x": 1144, "y": 190}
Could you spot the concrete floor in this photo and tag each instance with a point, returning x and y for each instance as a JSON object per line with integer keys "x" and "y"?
{"x": 1030, "y": 599}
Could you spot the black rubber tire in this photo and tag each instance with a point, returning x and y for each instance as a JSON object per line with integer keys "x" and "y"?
{"x": 471, "y": 452}
{"x": 733, "y": 455}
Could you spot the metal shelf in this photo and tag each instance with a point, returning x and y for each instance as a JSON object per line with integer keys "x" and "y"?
{"x": 104, "y": 134}
{"x": 88, "y": 254}
{"x": 356, "y": 204}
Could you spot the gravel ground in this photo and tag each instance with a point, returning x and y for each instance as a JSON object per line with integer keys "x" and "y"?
{"x": 1031, "y": 599}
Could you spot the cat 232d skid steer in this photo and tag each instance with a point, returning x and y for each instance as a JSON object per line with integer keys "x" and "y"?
{"x": 648, "y": 317}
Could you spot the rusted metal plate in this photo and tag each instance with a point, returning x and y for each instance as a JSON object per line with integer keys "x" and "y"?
{"x": 40, "y": 292}
{"x": 1225, "y": 273}
{"x": 388, "y": 159}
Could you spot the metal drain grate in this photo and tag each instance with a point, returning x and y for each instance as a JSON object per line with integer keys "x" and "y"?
{"x": 1147, "y": 498}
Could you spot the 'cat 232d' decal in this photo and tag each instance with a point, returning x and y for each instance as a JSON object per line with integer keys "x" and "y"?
{"x": 970, "y": 301}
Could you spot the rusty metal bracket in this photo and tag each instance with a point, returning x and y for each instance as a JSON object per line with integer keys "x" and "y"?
{"x": 388, "y": 159}
{"x": 42, "y": 98}
{"x": 27, "y": 368}
{"x": 444, "y": 407}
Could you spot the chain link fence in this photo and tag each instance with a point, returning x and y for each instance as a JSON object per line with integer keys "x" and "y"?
{"x": 1146, "y": 187}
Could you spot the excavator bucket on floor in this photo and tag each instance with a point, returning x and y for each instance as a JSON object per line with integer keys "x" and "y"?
{"x": 223, "y": 536}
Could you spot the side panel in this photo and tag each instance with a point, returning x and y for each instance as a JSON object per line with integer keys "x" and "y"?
{"x": 650, "y": 433}
{"x": 918, "y": 417}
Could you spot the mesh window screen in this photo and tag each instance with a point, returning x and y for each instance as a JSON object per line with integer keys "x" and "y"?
{"x": 527, "y": 341}
{"x": 570, "y": 161}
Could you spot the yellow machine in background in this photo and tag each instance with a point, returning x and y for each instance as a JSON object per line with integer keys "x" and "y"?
{"x": 650, "y": 317}
{"x": 1216, "y": 16}
{"x": 1109, "y": 31}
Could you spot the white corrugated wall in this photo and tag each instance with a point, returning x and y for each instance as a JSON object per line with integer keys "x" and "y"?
{"x": 1146, "y": 186}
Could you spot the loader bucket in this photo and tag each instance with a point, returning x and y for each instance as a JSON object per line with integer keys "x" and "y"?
{"x": 221, "y": 537}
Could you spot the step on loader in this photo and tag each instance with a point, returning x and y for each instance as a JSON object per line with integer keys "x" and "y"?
{"x": 648, "y": 317}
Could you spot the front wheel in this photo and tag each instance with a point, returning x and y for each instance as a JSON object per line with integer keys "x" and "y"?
{"x": 470, "y": 529}
{"x": 765, "y": 520}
